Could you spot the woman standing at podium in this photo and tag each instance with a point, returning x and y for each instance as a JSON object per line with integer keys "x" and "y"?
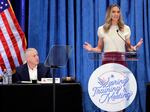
{"x": 114, "y": 38}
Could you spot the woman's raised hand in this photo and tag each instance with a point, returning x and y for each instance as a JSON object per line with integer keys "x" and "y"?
{"x": 87, "y": 46}
{"x": 139, "y": 43}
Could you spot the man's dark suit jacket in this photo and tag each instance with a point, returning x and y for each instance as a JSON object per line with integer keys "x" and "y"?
{"x": 22, "y": 73}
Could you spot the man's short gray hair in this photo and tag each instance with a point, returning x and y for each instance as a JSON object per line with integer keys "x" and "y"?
{"x": 27, "y": 52}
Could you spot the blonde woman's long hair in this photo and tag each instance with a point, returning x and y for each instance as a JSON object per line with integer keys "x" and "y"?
{"x": 108, "y": 19}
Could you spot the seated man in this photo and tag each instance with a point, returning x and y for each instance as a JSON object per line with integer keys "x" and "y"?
{"x": 32, "y": 70}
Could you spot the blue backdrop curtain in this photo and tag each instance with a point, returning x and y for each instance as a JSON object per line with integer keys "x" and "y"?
{"x": 72, "y": 22}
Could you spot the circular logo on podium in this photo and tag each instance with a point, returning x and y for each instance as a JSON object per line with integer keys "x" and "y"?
{"x": 112, "y": 87}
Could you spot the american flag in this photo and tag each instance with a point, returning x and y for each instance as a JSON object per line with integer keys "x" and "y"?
{"x": 12, "y": 38}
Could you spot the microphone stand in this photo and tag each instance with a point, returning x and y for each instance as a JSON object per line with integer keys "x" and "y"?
{"x": 57, "y": 58}
{"x": 54, "y": 87}
{"x": 134, "y": 54}
{"x": 128, "y": 45}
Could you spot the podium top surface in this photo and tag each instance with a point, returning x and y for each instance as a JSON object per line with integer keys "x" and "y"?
{"x": 119, "y": 56}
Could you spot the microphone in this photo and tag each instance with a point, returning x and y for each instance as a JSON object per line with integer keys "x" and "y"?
{"x": 127, "y": 44}
{"x": 128, "y": 55}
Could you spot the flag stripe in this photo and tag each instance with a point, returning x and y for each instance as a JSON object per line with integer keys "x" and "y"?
{"x": 1, "y": 71}
{"x": 18, "y": 33}
{"x": 7, "y": 50}
{"x": 2, "y": 66}
{"x": 15, "y": 48}
{"x": 18, "y": 28}
{"x": 6, "y": 63}
{"x": 7, "y": 39}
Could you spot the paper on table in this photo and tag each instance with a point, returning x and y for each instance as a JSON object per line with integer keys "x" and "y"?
{"x": 49, "y": 80}
{"x": 26, "y": 82}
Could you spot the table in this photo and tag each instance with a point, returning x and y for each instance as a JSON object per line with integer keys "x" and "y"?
{"x": 39, "y": 97}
